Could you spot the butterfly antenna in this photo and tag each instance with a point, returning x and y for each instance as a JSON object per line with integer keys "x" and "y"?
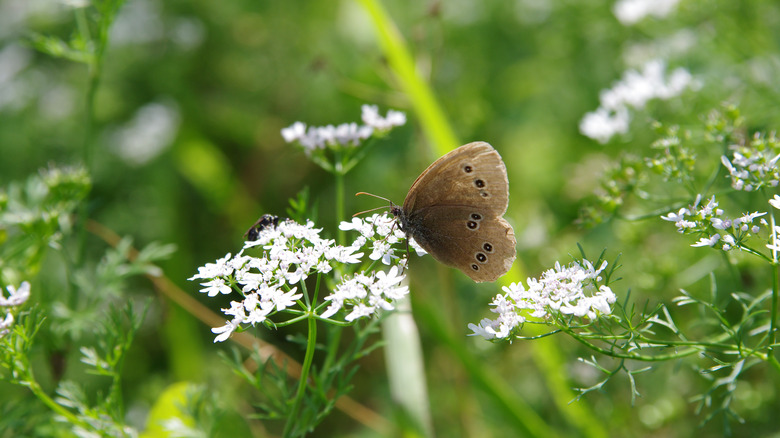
{"x": 375, "y": 196}
{"x": 366, "y": 211}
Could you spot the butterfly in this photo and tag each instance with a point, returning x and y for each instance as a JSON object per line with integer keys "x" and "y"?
{"x": 454, "y": 211}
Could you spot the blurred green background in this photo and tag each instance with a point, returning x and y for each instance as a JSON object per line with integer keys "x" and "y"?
{"x": 187, "y": 150}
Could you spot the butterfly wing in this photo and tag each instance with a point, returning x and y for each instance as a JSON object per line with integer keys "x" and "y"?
{"x": 454, "y": 209}
{"x": 483, "y": 249}
{"x": 472, "y": 174}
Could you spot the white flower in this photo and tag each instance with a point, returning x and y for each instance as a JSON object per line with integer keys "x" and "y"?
{"x": 675, "y": 217}
{"x": 289, "y": 254}
{"x": 366, "y": 294}
{"x": 709, "y": 209}
{"x": 754, "y": 163}
{"x": 215, "y": 287}
{"x": 603, "y": 124}
{"x": 634, "y": 89}
{"x": 386, "y": 283}
{"x": 728, "y": 242}
{"x": 365, "y": 228}
{"x": 485, "y": 328}
{"x": 283, "y": 300}
{"x": 709, "y": 220}
{"x": 720, "y": 224}
{"x": 16, "y": 297}
{"x": 371, "y": 117}
{"x": 775, "y": 202}
{"x": 566, "y": 290}
{"x": 219, "y": 269}
{"x": 5, "y": 324}
{"x": 345, "y": 134}
{"x": 225, "y": 331}
{"x": 359, "y": 311}
{"x": 632, "y": 11}
{"x": 382, "y": 250}
{"x": 294, "y": 132}
{"x": 236, "y": 310}
{"x": 749, "y": 217}
{"x": 711, "y": 241}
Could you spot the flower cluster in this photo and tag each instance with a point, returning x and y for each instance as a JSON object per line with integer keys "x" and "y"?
{"x": 674, "y": 161}
{"x": 563, "y": 291}
{"x": 383, "y": 232}
{"x": 292, "y": 252}
{"x": 635, "y": 89}
{"x": 345, "y": 134}
{"x": 366, "y": 294}
{"x": 709, "y": 221}
{"x": 754, "y": 165}
{"x": 16, "y": 297}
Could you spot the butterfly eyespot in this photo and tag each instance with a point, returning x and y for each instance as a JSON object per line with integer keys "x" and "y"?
{"x": 482, "y": 258}
{"x": 487, "y": 247}
{"x": 479, "y": 183}
{"x": 484, "y": 194}
{"x": 472, "y": 225}
{"x": 476, "y": 216}
{"x": 474, "y": 267}
{"x": 468, "y": 169}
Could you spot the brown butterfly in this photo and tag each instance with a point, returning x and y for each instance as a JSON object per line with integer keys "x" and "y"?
{"x": 454, "y": 212}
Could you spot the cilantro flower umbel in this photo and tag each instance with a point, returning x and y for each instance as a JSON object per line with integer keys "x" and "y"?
{"x": 348, "y": 135}
{"x": 274, "y": 282}
{"x": 561, "y": 292}
{"x": 709, "y": 222}
{"x": 753, "y": 165}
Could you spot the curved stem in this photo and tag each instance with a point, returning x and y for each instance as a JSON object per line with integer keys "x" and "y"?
{"x": 307, "y": 361}
{"x": 54, "y": 406}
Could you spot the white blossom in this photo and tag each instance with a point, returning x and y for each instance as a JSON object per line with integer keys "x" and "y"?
{"x": 371, "y": 117}
{"x": 5, "y": 324}
{"x": 312, "y": 138}
{"x": 629, "y": 12}
{"x": 603, "y": 124}
{"x": 364, "y": 295}
{"x": 290, "y": 253}
{"x": 215, "y": 287}
{"x": 633, "y": 90}
{"x": 712, "y": 226}
{"x": 707, "y": 241}
{"x": 16, "y": 297}
{"x": 754, "y": 164}
{"x": 775, "y": 202}
{"x": 563, "y": 290}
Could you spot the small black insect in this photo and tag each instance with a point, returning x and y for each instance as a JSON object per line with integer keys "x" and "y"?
{"x": 265, "y": 221}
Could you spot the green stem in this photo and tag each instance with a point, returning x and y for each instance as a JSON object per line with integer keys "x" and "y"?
{"x": 36, "y": 389}
{"x": 307, "y": 361}
{"x": 340, "y": 205}
{"x": 89, "y": 116}
{"x": 334, "y": 339}
{"x": 773, "y": 318}
{"x": 612, "y": 353}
